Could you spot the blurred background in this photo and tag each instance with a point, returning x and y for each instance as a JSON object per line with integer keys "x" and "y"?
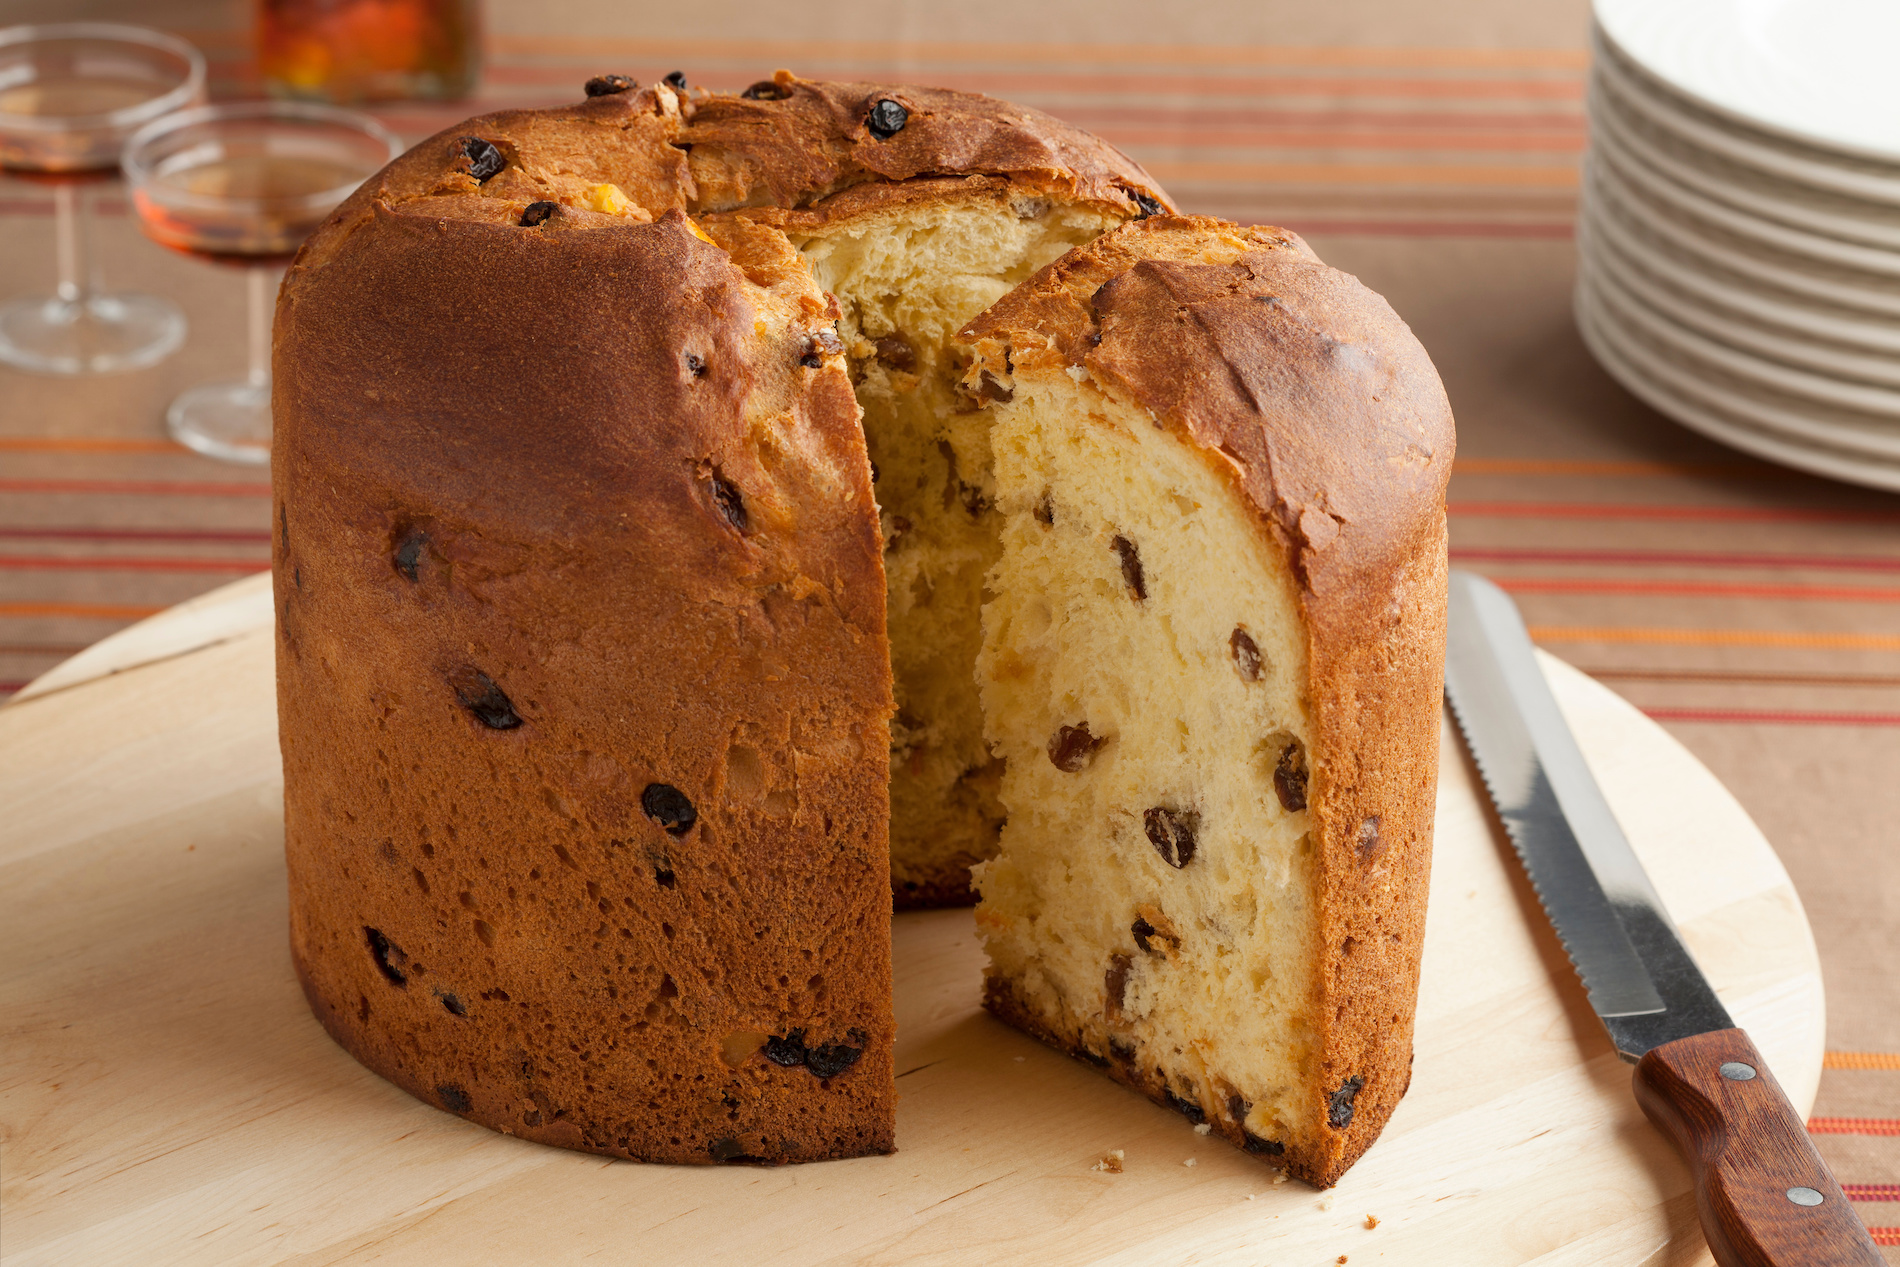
{"x": 1436, "y": 151}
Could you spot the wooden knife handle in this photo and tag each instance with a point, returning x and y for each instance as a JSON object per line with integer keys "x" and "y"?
{"x": 1763, "y": 1194}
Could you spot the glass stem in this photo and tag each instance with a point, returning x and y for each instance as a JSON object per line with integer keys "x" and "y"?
{"x": 259, "y": 320}
{"x": 69, "y": 245}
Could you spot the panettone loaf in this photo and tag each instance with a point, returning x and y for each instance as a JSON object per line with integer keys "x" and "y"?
{"x": 1212, "y": 666}
{"x": 584, "y": 683}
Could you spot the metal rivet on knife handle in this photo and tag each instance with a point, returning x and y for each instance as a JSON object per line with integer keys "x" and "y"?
{"x": 1736, "y": 1071}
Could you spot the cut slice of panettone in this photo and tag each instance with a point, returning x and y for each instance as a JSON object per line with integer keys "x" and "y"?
{"x": 1211, "y": 665}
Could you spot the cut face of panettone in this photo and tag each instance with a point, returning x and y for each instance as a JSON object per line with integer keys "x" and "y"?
{"x": 906, "y": 282}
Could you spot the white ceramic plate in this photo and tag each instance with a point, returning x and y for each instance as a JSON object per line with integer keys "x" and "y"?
{"x": 1796, "y": 421}
{"x": 1691, "y": 236}
{"x": 1820, "y": 169}
{"x": 1658, "y": 181}
{"x": 1612, "y": 122}
{"x": 1828, "y": 323}
{"x": 1735, "y": 326}
{"x": 1711, "y": 420}
{"x": 1821, "y": 71}
{"x": 1881, "y": 405}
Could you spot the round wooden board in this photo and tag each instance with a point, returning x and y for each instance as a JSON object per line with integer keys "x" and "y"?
{"x": 167, "y": 1097}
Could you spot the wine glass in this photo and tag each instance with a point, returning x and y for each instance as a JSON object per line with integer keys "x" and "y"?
{"x": 70, "y": 94}
{"x": 246, "y": 184}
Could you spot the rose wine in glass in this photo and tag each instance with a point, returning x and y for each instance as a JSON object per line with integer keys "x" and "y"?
{"x": 70, "y": 94}
{"x": 245, "y": 184}
{"x": 368, "y": 50}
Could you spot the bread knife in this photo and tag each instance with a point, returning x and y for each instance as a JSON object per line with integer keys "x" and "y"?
{"x": 1764, "y": 1196}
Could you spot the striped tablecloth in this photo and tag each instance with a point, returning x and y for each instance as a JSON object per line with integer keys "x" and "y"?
{"x": 1752, "y": 611}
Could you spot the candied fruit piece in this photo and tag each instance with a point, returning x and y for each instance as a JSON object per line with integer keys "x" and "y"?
{"x": 669, "y": 807}
{"x": 388, "y": 956}
{"x": 886, "y": 119}
{"x": 1185, "y": 1107}
{"x": 895, "y": 351}
{"x": 453, "y": 1098}
{"x": 1246, "y": 655}
{"x": 1171, "y": 832}
{"x": 834, "y": 1058}
{"x": 484, "y": 160}
{"x": 1289, "y": 777}
{"x": 1072, "y": 747}
{"x": 537, "y": 213}
{"x": 408, "y": 552}
{"x": 730, "y": 503}
{"x": 1131, "y": 566}
{"x": 480, "y": 695}
{"x": 789, "y": 1051}
{"x": 1339, "y": 1105}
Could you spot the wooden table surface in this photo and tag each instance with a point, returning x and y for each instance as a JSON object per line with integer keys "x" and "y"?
{"x": 167, "y": 1098}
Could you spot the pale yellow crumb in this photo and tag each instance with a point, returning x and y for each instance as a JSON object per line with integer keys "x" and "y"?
{"x": 1372, "y": 1221}
{"x": 1188, "y": 1162}
{"x": 1111, "y": 1161}
{"x": 1326, "y": 1202}
{"x": 1202, "y": 1129}
{"x": 1280, "y": 1178}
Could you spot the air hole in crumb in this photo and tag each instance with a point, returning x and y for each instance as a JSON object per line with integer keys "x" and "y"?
{"x": 453, "y": 1098}
{"x": 452, "y": 1003}
{"x": 1045, "y": 509}
{"x": 485, "y": 931}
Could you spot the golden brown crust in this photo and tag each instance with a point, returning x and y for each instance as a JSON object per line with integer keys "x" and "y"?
{"x": 665, "y": 152}
{"x": 1319, "y": 403}
{"x": 505, "y": 461}
{"x": 528, "y": 494}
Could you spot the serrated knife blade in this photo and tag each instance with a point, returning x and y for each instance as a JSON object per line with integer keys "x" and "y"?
{"x": 1642, "y": 982}
{"x": 1763, "y": 1195}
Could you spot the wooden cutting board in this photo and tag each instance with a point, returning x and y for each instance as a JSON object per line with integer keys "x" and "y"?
{"x": 167, "y": 1098}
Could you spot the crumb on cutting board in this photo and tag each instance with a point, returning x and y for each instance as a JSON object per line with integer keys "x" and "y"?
{"x": 1188, "y": 1162}
{"x": 1203, "y": 1128}
{"x": 1372, "y": 1221}
{"x": 1111, "y": 1161}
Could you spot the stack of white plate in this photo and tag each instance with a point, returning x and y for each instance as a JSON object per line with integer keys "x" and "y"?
{"x": 1739, "y": 236}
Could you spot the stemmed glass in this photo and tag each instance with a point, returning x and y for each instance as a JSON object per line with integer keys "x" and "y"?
{"x": 246, "y": 184}
{"x": 70, "y": 94}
